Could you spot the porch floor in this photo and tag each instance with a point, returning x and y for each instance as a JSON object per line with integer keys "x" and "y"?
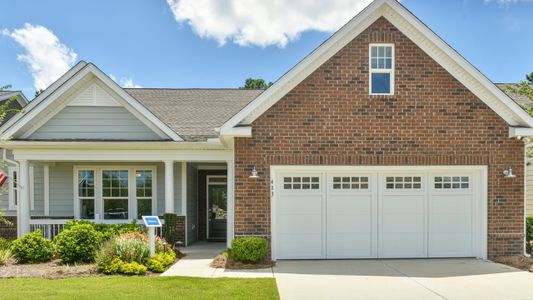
{"x": 198, "y": 259}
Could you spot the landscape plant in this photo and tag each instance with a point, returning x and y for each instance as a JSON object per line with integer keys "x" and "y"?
{"x": 78, "y": 244}
{"x": 249, "y": 249}
{"x": 32, "y": 248}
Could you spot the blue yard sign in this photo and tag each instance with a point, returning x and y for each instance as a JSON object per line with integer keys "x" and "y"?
{"x": 152, "y": 221}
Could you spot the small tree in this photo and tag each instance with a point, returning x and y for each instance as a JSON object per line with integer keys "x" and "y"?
{"x": 6, "y": 109}
{"x": 525, "y": 88}
{"x": 252, "y": 83}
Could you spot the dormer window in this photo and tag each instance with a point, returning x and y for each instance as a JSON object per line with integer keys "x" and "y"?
{"x": 381, "y": 69}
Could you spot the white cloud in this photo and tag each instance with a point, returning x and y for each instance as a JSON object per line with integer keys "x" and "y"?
{"x": 46, "y": 56}
{"x": 125, "y": 82}
{"x": 507, "y": 2}
{"x": 260, "y": 22}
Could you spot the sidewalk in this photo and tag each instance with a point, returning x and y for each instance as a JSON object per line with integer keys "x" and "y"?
{"x": 197, "y": 262}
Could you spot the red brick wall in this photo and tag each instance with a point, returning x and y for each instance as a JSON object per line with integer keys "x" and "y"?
{"x": 329, "y": 119}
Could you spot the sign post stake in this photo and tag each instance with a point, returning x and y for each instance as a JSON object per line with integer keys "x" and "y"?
{"x": 151, "y": 240}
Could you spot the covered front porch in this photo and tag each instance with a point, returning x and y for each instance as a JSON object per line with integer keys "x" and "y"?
{"x": 54, "y": 186}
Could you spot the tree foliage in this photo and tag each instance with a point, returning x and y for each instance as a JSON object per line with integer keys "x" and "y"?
{"x": 6, "y": 108}
{"x": 525, "y": 88}
{"x": 256, "y": 83}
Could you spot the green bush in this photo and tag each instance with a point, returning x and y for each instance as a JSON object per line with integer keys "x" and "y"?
{"x": 133, "y": 268}
{"x": 78, "y": 244}
{"x": 109, "y": 265}
{"x": 5, "y": 255}
{"x": 529, "y": 234}
{"x": 5, "y": 243}
{"x": 161, "y": 261}
{"x": 248, "y": 249}
{"x": 32, "y": 248}
{"x": 108, "y": 231}
{"x": 170, "y": 228}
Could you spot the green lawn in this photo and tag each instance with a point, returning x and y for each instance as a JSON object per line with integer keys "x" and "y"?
{"x": 138, "y": 288}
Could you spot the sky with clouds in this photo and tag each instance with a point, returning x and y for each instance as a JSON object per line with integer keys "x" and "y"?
{"x": 219, "y": 43}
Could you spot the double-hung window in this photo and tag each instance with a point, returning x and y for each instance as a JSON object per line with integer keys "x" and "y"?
{"x": 381, "y": 69}
{"x": 115, "y": 193}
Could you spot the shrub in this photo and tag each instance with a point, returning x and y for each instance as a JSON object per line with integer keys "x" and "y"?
{"x": 133, "y": 268}
{"x": 5, "y": 255}
{"x": 529, "y": 234}
{"x": 32, "y": 248}
{"x": 5, "y": 243}
{"x": 161, "y": 261}
{"x": 108, "y": 265}
{"x": 170, "y": 228}
{"x": 78, "y": 244}
{"x": 248, "y": 249}
{"x": 108, "y": 231}
{"x": 130, "y": 247}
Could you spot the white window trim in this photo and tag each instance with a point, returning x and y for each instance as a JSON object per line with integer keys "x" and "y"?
{"x": 391, "y": 71}
{"x": 98, "y": 197}
{"x": 12, "y": 205}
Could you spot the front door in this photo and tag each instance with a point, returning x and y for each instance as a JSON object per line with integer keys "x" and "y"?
{"x": 217, "y": 204}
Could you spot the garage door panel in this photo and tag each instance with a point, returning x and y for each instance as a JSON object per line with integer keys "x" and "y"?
{"x": 400, "y": 246}
{"x": 402, "y": 204}
{"x": 385, "y": 214}
{"x": 451, "y": 203}
{"x": 300, "y": 246}
{"x": 353, "y": 245}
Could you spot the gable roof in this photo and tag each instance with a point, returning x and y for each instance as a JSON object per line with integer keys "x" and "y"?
{"x": 75, "y": 75}
{"x": 194, "y": 113}
{"x": 19, "y": 104}
{"x": 411, "y": 27}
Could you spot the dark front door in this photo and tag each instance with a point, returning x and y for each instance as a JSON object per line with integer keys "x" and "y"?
{"x": 217, "y": 204}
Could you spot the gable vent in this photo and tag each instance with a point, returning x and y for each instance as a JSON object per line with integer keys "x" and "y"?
{"x": 94, "y": 95}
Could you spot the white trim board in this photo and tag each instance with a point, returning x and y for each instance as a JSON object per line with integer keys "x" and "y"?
{"x": 81, "y": 73}
{"x": 414, "y": 29}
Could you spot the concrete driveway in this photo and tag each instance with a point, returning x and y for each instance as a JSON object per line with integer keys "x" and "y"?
{"x": 401, "y": 279}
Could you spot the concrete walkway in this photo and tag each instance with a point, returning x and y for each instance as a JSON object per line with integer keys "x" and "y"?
{"x": 197, "y": 262}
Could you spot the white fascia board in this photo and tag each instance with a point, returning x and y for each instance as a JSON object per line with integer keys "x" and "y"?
{"x": 239, "y": 131}
{"x": 520, "y": 131}
{"x": 43, "y": 96}
{"x": 378, "y": 8}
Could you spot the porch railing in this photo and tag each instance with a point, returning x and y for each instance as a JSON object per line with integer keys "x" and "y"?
{"x": 50, "y": 228}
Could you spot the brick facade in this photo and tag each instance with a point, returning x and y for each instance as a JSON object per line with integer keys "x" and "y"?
{"x": 330, "y": 119}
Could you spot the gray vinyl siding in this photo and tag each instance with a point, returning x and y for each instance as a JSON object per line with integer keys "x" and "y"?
{"x": 38, "y": 190}
{"x": 95, "y": 122}
{"x": 529, "y": 188}
{"x": 61, "y": 190}
{"x": 192, "y": 204}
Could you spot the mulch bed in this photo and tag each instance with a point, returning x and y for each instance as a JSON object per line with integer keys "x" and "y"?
{"x": 519, "y": 262}
{"x": 223, "y": 261}
{"x": 50, "y": 270}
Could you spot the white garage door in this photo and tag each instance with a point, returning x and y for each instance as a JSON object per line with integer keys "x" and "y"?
{"x": 320, "y": 213}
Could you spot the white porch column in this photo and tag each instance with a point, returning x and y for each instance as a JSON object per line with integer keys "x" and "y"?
{"x": 24, "y": 197}
{"x": 230, "y": 199}
{"x": 169, "y": 186}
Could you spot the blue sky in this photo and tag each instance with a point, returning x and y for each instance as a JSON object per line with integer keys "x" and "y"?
{"x": 152, "y": 43}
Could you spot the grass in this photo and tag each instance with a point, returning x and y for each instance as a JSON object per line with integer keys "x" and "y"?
{"x": 116, "y": 287}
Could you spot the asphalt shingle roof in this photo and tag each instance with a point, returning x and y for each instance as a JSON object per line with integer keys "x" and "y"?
{"x": 520, "y": 99}
{"x": 194, "y": 113}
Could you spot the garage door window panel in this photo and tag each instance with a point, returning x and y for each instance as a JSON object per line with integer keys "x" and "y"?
{"x": 301, "y": 183}
{"x": 403, "y": 182}
{"x": 451, "y": 182}
{"x": 350, "y": 182}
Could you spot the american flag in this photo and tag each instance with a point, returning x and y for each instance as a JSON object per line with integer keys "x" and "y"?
{"x": 3, "y": 178}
